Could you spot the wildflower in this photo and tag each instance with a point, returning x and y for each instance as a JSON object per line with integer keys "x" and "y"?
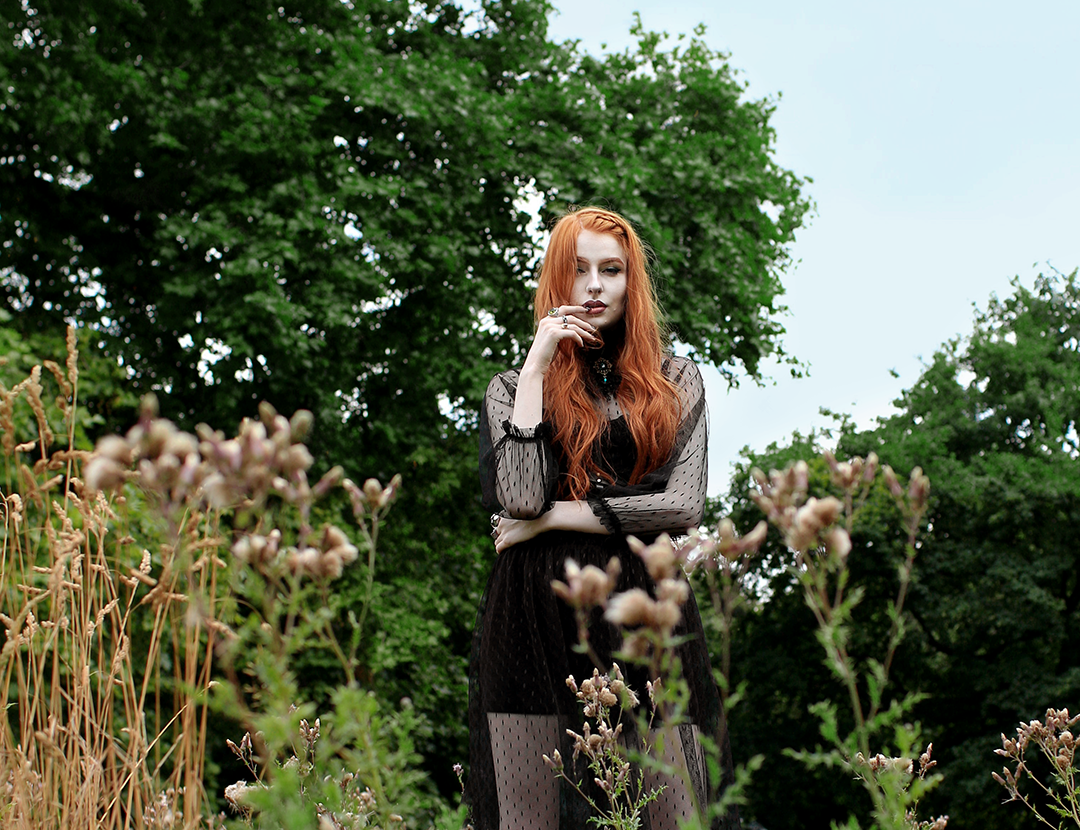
{"x": 297, "y": 459}
{"x": 103, "y": 473}
{"x": 587, "y": 587}
{"x": 673, "y": 590}
{"x": 810, "y": 520}
{"x": 660, "y": 557}
{"x": 892, "y": 482}
{"x": 732, "y": 547}
{"x": 373, "y": 490}
{"x": 838, "y": 541}
{"x": 300, "y": 424}
{"x": 629, "y": 608}
{"x": 236, "y": 794}
{"x": 918, "y": 489}
{"x": 926, "y": 763}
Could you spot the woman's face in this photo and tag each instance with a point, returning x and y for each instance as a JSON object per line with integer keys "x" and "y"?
{"x": 600, "y": 284}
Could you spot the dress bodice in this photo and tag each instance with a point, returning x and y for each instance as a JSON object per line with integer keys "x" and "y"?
{"x": 520, "y": 468}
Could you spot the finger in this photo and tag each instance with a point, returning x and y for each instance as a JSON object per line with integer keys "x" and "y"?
{"x": 586, "y": 332}
{"x": 583, "y": 324}
{"x": 566, "y": 309}
{"x": 567, "y": 322}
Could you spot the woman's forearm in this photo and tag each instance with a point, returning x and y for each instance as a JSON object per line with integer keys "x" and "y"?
{"x": 563, "y": 515}
{"x": 572, "y": 515}
{"x": 529, "y": 399}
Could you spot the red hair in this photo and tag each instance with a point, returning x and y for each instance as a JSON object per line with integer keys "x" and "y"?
{"x": 649, "y": 401}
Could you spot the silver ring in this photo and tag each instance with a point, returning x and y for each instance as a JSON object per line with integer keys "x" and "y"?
{"x": 564, "y": 320}
{"x": 494, "y": 532}
{"x": 553, "y": 312}
{"x": 564, "y": 325}
{"x": 495, "y": 517}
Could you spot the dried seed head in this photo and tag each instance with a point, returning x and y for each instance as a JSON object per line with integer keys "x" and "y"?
{"x": 300, "y": 424}
{"x": 673, "y": 590}
{"x": 587, "y": 587}
{"x": 661, "y": 557}
{"x": 115, "y": 448}
{"x": 297, "y": 459}
{"x": 373, "y": 491}
{"x": 838, "y": 541}
{"x": 871, "y": 468}
{"x": 630, "y": 608}
{"x": 892, "y": 482}
{"x": 103, "y": 473}
{"x": 918, "y": 489}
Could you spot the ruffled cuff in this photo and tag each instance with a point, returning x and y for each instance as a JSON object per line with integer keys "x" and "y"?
{"x": 538, "y": 432}
{"x": 605, "y": 514}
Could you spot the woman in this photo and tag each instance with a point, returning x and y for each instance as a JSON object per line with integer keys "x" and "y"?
{"x": 599, "y": 434}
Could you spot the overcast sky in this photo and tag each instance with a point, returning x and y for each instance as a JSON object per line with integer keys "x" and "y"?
{"x": 944, "y": 143}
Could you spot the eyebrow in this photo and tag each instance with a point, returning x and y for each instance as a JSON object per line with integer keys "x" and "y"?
{"x": 606, "y": 260}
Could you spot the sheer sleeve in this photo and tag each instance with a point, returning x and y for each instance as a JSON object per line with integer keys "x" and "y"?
{"x": 672, "y": 497}
{"x": 518, "y": 469}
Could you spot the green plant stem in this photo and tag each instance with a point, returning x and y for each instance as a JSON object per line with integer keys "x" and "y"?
{"x": 371, "y": 537}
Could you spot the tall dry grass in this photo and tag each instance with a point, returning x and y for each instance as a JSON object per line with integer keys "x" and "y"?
{"x": 163, "y": 577}
{"x": 98, "y": 733}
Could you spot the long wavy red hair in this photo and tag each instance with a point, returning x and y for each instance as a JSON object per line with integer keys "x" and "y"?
{"x": 649, "y": 401}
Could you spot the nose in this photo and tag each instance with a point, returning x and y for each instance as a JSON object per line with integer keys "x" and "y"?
{"x": 594, "y": 286}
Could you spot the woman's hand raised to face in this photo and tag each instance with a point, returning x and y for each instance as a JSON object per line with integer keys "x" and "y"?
{"x": 563, "y": 323}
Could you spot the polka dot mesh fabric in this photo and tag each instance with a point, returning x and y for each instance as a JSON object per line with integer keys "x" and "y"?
{"x": 519, "y": 704}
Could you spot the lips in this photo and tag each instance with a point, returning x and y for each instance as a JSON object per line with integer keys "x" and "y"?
{"x": 595, "y": 306}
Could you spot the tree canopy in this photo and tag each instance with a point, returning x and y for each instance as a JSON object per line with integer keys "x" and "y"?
{"x": 320, "y": 204}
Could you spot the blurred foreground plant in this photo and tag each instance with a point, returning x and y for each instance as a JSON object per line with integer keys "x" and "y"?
{"x": 819, "y": 532}
{"x": 623, "y": 787}
{"x": 136, "y": 577}
{"x": 1058, "y": 746}
{"x": 637, "y": 756}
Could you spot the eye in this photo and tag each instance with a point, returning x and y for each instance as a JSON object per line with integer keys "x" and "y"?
{"x": 612, "y": 269}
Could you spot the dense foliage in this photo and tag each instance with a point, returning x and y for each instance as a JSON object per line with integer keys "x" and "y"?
{"x": 995, "y": 603}
{"x": 320, "y": 204}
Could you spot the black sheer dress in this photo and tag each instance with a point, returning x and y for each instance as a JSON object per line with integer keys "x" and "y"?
{"x": 519, "y": 704}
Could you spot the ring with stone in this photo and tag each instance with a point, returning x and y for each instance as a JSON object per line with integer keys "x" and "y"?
{"x": 564, "y": 325}
{"x": 495, "y": 517}
{"x": 553, "y": 312}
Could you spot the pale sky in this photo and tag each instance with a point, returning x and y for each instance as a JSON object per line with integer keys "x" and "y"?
{"x": 944, "y": 143}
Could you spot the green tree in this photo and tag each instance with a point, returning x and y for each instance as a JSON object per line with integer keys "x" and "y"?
{"x": 320, "y": 204}
{"x": 993, "y": 421}
{"x": 994, "y": 605}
